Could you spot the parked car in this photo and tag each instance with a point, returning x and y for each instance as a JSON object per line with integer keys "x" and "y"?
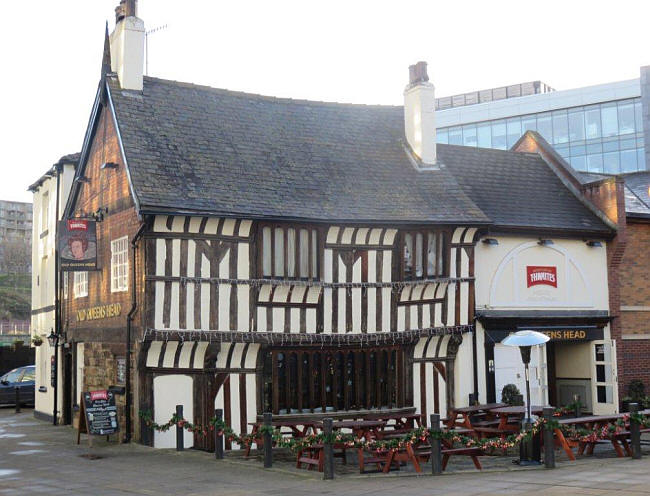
{"x": 24, "y": 378}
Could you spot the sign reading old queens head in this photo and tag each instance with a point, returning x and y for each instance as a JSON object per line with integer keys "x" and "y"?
{"x": 78, "y": 244}
{"x": 541, "y": 275}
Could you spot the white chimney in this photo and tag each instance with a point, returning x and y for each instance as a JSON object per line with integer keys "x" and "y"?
{"x": 420, "y": 114}
{"x": 127, "y": 46}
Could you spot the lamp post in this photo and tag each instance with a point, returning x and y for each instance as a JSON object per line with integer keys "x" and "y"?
{"x": 525, "y": 340}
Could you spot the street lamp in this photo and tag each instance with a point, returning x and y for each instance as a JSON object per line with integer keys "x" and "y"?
{"x": 53, "y": 339}
{"x": 525, "y": 340}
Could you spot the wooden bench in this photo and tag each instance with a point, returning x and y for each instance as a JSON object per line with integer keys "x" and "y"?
{"x": 494, "y": 431}
{"x": 312, "y": 456}
{"x": 425, "y": 453}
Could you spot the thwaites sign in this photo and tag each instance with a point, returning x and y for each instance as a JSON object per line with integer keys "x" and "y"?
{"x": 77, "y": 245}
{"x": 541, "y": 275}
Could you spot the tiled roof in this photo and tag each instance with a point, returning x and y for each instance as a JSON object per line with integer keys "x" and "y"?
{"x": 518, "y": 189}
{"x": 202, "y": 150}
{"x": 637, "y": 190}
{"x": 71, "y": 158}
{"x": 637, "y": 193}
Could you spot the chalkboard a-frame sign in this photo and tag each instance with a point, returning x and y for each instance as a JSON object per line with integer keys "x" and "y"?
{"x": 98, "y": 415}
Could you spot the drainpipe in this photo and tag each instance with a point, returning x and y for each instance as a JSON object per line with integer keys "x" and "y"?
{"x": 129, "y": 320}
{"x": 57, "y": 299}
{"x": 475, "y": 356}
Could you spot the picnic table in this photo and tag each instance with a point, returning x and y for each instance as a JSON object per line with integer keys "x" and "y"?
{"x": 467, "y": 412}
{"x": 402, "y": 421}
{"x": 368, "y": 429}
{"x": 619, "y": 442}
{"x": 298, "y": 428}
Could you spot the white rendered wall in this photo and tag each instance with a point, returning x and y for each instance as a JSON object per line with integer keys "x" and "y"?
{"x": 501, "y": 275}
{"x": 169, "y": 391}
{"x": 464, "y": 372}
{"x": 43, "y": 270}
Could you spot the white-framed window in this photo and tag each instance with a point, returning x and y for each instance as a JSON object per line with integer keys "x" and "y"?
{"x": 45, "y": 211}
{"x": 119, "y": 264}
{"x": 80, "y": 284}
{"x": 289, "y": 252}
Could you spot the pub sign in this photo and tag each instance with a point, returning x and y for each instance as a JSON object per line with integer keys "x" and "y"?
{"x": 77, "y": 245}
{"x": 538, "y": 275}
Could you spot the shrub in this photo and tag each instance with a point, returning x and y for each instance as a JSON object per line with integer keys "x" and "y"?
{"x": 511, "y": 395}
{"x": 636, "y": 391}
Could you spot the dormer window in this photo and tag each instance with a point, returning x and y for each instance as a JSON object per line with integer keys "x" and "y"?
{"x": 289, "y": 252}
{"x": 423, "y": 254}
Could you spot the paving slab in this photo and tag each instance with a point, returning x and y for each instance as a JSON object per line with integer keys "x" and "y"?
{"x": 38, "y": 458}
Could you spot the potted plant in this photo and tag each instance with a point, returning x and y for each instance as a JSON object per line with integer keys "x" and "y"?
{"x": 37, "y": 340}
{"x": 635, "y": 394}
{"x": 511, "y": 395}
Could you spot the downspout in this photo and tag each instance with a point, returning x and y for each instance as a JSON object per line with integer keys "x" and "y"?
{"x": 129, "y": 320}
{"x": 57, "y": 299}
{"x": 475, "y": 357}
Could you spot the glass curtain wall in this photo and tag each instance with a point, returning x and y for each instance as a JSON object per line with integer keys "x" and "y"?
{"x": 604, "y": 138}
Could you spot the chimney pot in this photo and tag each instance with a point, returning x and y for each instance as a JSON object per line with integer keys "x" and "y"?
{"x": 126, "y": 8}
{"x": 418, "y": 73}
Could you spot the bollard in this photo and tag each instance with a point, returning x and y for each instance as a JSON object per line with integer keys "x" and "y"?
{"x": 17, "y": 390}
{"x": 179, "y": 429}
{"x": 328, "y": 450}
{"x": 635, "y": 432}
{"x": 577, "y": 405}
{"x": 218, "y": 436}
{"x": 268, "y": 441}
{"x": 549, "y": 442}
{"x": 436, "y": 446}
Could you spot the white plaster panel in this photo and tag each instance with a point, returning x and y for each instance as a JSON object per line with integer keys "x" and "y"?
{"x": 199, "y": 354}
{"x": 332, "y": 234}
{"x": 170, "y": 352}
{"x": 154, "y": 353}
{"x": 169, "y": 391}
{"x": 228, "y": 228}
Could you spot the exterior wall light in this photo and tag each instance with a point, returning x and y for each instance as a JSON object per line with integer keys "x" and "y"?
{"x": 545, "y": 242}
{"x": 53, "y": 339}
{"x": 491, "y": 241}
{"x": 594, "y": 244}
{"x": 109, "y": 165}
{"x": 82, "y": 179}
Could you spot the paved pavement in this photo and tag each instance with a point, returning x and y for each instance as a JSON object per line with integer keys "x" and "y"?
{"x": 37, "y": 458}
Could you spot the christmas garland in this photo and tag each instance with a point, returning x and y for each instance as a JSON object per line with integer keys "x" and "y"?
{"x": 414, "y": 437}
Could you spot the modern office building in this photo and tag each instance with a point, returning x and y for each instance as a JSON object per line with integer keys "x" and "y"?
{"x": 601, "y": 129}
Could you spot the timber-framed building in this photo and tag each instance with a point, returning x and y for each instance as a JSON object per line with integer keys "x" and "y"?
{"x": 264, "y": 254}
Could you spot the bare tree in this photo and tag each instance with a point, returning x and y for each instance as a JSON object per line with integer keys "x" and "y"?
{"x": 15, "y": 256}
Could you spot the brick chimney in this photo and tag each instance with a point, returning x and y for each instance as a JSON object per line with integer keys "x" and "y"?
{"x": 127, "y": 46}
{"x": 419, "y": 114}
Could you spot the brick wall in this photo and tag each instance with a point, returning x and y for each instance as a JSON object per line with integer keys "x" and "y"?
{"x": 635, "y": 292}
{"x": 105, "y": 338}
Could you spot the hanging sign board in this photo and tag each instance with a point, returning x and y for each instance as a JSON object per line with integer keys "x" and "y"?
{"x": 77, "y": 245}
{"x": 98, "y": 414}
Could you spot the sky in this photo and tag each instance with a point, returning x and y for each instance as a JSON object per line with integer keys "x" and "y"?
{"x": 348, "y": 51}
